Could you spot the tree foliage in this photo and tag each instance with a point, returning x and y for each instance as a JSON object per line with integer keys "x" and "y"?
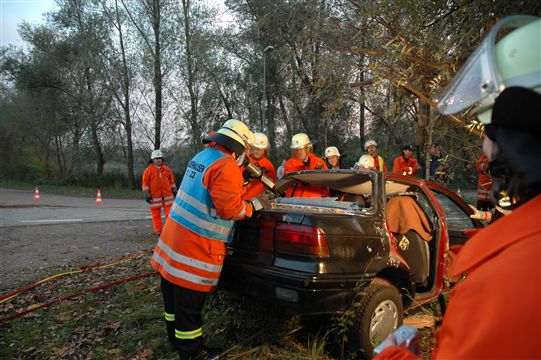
{"x": 104, "y": 82}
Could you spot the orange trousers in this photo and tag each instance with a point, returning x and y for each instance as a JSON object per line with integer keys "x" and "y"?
{"x": 156, "y": 214}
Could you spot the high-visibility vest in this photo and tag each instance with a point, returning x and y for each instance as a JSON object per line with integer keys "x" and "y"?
{"x": 379, "y": 163}
{"x": 193, "y": 207}
{"x": 192, "y": 245}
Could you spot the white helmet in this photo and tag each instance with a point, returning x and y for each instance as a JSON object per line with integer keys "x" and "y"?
{"x": 370, "y": 142}
{"x": 261, "y": 141}
{"x": 332, "y": 151}
{"x": 156, "y": 154}
{"x": 234, "y": 135}
{"x": 300, "y": 140}
{"x": 365, "y": 161}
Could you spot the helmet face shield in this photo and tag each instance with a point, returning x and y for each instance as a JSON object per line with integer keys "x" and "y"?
{"x": 479, "y": 80}
{"x": 476, "y": 81}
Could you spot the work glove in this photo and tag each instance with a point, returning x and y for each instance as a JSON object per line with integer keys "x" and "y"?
{"x": 148, "y": 198}
{"x": 260, "y": 203}
{"x": 480, "y": 215}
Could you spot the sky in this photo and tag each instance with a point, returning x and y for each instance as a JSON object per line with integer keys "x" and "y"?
{"x": 13, "y": 12}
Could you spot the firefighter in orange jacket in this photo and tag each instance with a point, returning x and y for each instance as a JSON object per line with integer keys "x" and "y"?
{"x": 494, "y": 309}
{"x": 258, "y": 156}
{"x": 191, "y": 250}
{"x": 159, "y": 188}
{"x": 484, "y": 184}
{"x": 303, "y": 159}
{"x": 405, "y": 163}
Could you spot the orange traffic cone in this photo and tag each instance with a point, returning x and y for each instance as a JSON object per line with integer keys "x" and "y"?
{"x": 458, "y": 192}
{"x": 36, "y": 194}
{"x": 98, "y": 198}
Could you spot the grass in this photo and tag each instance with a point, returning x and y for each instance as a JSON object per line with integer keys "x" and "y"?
{"x": 112, "y": 192}
{"x": 126, "y": 322}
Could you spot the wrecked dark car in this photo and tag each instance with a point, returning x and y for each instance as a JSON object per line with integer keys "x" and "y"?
{"x": 381, "y": 239}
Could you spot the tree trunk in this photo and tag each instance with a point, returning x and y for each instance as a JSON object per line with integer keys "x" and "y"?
{"x": 196, "y": 131}
{"x": 126, "y": 102}
{"x": 157, "y": 72}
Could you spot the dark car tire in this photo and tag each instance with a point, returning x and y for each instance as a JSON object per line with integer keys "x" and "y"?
{"x": 379, "y": 313}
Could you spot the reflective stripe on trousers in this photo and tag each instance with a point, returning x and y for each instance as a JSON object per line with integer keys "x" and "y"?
{"x": 186, "y": 335}
{"x": 169, "y": 317}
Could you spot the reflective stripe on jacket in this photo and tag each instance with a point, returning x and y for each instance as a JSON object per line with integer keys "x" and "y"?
{"x": 192, "y": 245}
{"x": 193, "y": 208}
{"x": 158, "y": 182}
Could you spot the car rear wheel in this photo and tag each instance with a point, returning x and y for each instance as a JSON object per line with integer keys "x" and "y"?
{"x": 379, "y": 313}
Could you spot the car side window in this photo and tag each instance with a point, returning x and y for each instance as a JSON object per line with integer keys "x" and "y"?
{"x": 455, "y": 216}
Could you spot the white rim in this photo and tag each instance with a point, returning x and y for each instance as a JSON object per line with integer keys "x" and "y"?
{"x": 383, "y": 321}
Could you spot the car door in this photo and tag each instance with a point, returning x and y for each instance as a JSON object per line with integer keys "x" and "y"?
{"x": 457, "y": 217}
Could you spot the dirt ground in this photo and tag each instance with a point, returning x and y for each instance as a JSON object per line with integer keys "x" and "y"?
{"x": 30, "y": 253}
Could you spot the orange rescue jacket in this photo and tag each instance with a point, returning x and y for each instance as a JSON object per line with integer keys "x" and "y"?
{"x": 256, "y": 187}
{"x": 313, "y": 163}
{"x": 159, "y": 182}
{"x": 494, "y": 311}
{"x": 187, "y": 258}
{"x": 401, "y": 166}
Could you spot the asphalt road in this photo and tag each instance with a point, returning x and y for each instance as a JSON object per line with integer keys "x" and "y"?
{"x": 37, "y": 237}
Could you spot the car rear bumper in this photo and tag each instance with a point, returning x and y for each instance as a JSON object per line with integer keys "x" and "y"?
{"x": 301, "y": 293}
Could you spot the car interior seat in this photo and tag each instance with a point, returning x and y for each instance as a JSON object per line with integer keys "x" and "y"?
{"x": 410, "y": 225}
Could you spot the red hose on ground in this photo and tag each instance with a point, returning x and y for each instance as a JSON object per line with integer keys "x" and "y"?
{"x": 82, "y": 269}
{"x": 94, "y": 289}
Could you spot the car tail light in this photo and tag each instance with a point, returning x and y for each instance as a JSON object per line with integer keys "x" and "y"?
{"x": 301, "y": 239}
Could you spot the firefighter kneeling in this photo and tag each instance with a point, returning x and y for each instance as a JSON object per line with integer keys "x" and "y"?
{"x": 192, "y": 247}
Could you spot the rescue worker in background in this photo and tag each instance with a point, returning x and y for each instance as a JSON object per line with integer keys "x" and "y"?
{"x": 499, "y": 266}
{"x": 441, "y": 167}
{"x": 366, "y": 162}
{"x": 484, "y": 184}
{"x": 379, "y": 163}
{"x": 159, "y": 188}
{"x": 258, "y": 156}
{"x": 334, "y": 159}
{"x": 303, "y": 159}
{"x": 191, "y": 250}
{"x": 405, "y": 163}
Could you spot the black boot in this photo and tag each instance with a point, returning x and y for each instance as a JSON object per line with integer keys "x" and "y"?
{"x": 198, "y": 355}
